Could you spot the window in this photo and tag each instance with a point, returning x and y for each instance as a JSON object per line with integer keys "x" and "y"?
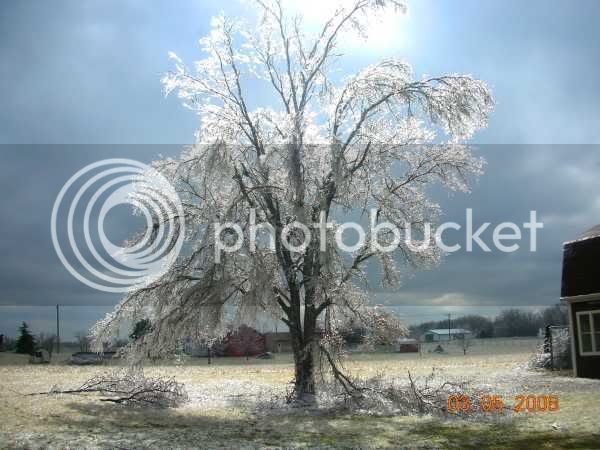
{"x": 588, "y": 325}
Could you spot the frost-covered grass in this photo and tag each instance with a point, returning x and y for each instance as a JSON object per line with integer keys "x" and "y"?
{"x": 222, "y": 411}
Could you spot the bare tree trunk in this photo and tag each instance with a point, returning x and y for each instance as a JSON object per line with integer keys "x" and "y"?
{"x": 304, "y": 367}
{"x": 302, "y": 324}
{"x": 304, "y": 344}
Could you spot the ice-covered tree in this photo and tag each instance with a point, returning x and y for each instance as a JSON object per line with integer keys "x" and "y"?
{"x": 319, "y": 146}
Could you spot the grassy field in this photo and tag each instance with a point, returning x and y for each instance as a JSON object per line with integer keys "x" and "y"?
{"x": 216, "y": 418}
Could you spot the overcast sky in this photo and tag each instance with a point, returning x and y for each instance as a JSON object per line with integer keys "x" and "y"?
{"x": 87, "y": 73}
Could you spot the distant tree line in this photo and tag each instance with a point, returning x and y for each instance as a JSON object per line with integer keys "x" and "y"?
{"x": 27, "y": 343}
{"x": 509, "y": 323}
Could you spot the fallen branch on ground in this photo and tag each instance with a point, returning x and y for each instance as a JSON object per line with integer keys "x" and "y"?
{"x": 130, "y": 387}
{"x": 404, "y": 396}
{"x": 428, "y": 395}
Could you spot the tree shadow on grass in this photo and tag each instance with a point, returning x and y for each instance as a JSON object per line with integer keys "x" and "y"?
{"x": 191, "y": 428}
{"x": 501, "y": 435}
{"x": 142, "y": 428}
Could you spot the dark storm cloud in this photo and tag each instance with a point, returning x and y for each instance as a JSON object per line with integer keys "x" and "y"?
{"x": 88, "y": 73}
{"x": 31, "y": 177}
{"x": 558, "y": 182}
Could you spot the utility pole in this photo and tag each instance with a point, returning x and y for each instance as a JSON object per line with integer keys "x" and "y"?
{"x": 449, "y": 336}
{"x": 57, "y": 330}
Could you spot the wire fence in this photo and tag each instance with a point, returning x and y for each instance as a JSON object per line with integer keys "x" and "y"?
{"x": 483, "y": 345}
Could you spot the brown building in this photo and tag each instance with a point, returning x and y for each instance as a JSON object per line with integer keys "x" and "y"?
{"x": 405, "y": 345}
{"x": 581, "y": 293}
{"x": 278, "y": 342}
{"x": 245, "y": 341}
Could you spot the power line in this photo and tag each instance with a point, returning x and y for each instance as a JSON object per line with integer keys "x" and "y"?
{"x": 57, "y": 330}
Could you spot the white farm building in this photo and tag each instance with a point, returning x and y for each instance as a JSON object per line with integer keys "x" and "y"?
{"x": 445, "y": 334}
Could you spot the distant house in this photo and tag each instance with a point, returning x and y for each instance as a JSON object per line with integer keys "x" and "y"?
{"x": 91, "y": 358}
{"x": 580, "y": 291}
{"x": 40, "y": 356}
{"x": 193, "y": 348}
{"x": 445, "y": 334}
{"x": 278, "y": 342}
{"x": 406, "y": 345}
{"x": 245, "y": 341}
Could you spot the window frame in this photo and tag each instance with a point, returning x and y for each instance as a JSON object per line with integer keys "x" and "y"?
{"x": 595, "y": 345}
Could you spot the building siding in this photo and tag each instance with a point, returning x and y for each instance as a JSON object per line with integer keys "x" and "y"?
{"x": 587, "y": 366}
